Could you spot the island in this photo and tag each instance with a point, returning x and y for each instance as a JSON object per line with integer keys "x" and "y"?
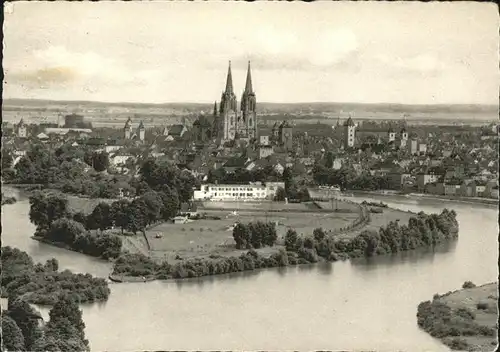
{"x": 165, "y": 227}
{"x": 465, "y": 319}
{"x": 43, "y": 284}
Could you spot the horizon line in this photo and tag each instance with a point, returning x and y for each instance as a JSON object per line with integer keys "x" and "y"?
{"x": 263, "y": 102}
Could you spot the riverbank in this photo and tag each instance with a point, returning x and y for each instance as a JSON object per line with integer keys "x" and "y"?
{"x": 465, "y": 319}
{"x": 42, "y": 284}
{"x": 8, "y": 200}
{"x": 470, "y": 200}
{"x": 421, "y": 231}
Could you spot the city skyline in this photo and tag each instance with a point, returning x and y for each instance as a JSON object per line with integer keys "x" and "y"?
{"x": 83, "y": 52}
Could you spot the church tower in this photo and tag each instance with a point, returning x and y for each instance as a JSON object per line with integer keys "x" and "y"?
{"x": 228, "y": 108}
{"x": 248, "y": 108}
{"x": 141, "y": 131}
{"x": 349, "y": 133}
{"x": 128, "y": 129}
{"x": 21, "y": 129}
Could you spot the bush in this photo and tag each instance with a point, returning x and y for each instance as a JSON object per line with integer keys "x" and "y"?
{"x": 482, "y": 305}
{"x": 457, "y": 344}
{"x": 42, "y": 284}
{"x": 468, "y": 284}
{"x": 465, "y": 313}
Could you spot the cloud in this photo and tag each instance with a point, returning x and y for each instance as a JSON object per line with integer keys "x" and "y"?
{"x": 421, "y": 64}
{"x": 58, "y": 67}
{"x": 270, "y": 48}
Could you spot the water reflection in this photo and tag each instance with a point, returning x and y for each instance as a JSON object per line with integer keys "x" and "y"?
{"x": 421, "y": 255}
{"x": 270, "y": 307}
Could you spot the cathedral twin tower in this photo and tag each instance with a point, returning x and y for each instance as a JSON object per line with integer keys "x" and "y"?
{"x": 231, "y": 123}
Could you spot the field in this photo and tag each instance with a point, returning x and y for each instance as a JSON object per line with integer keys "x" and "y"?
{"x": 85, "y": 205}
{"x": 115, "y": 114}
{"x": 200, "y": 238}
{"x": 469, "y": 298}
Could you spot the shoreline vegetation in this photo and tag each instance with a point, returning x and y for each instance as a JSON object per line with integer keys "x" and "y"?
{"x": 487, "y": 201}
{"x": 8, "y": 200}
{"x": 464, "y": 319}
{"x": 422, "y": 231}
{"x": 43, "y": 284}
{"x": 58, "y": 224}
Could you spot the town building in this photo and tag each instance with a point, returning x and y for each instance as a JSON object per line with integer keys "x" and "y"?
{"x": 232, "y": 192}
{"x": 22, "y": 129}
{"x": 391, "y": 135}
{"x": 230, "y": 123}
{"x": 285, "y": 135}
{"x": 264, "y": 140}
{"x": 349, "y": 133}
{"x": 141, "y": 131}
{"x": 413, "y": 146}
{"x": 423, "y": 179}
{"x": 403, "y": 138}
{"x": 128, "y": 129}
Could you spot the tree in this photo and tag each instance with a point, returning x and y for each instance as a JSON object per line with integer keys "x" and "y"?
{"x": 241, "y": 235}
{"x": 280, "y": 194}
{"x": 291, "y": 240}
{"x": 12, "y": 336}
{"x": 100, "y": 161}
{"x": 65, "y": 231}
{"x": 46, "y": 209}
{"x": 154, "y": 206}
{"x": 101, "y": 217}
{"x": 270, "y": 234}
{"x": 26, "y": 319}
{"x": 67, "y": 308}
{"x": 80, "y": 217}
{"x": 66, "y": 325}
{"x": 170, "y": 200}
{"x": 119, "y": 213}
{"x": 7, "y": 159}
{"x": 319, "y": 234}
{"x": 137, "y": 216}
{"x": 51, "y": 265}
{"x": 287, "y": 178}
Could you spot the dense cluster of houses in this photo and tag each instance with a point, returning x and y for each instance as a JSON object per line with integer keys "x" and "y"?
{"x": 438, "y": 162}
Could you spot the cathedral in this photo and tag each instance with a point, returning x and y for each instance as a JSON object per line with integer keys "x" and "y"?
{"x": 228, "y": 123}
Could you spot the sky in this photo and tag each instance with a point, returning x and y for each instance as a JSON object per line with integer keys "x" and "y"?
{"x": 159, "y": 52}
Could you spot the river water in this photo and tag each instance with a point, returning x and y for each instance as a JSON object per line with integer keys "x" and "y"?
{"x": 353, "y": 305}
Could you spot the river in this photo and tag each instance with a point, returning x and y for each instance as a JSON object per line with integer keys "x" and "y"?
{"x": 352, "y": 305}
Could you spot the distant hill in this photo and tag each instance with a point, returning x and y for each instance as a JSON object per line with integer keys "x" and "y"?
{"x": 278, "y": 107}
{"x": 105, "y": 112}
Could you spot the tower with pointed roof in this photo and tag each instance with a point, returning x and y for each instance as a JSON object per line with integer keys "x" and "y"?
{"x": 391, "y": 134}
{"x": 403, "y": 134}
{"x": 22, "y": 129}
{"x": 349, "y": 133}
{"x": 286, "y": 135}
{"x": 228, "y": 109}
{"x": 248, "y": 108}
{"x": 128, "y": 129}
{"x": 141, "y": 131}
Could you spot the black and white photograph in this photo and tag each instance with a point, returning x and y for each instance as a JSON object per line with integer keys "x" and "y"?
{"x": 250, "y": 176}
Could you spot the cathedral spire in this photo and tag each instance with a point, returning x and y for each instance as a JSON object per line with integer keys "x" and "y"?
{"x": 229, "y": 81}
{"x": 248, "y": 84}
{"x": 215, "y": 108}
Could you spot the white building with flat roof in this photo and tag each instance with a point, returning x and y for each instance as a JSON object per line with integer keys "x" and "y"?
{"x": 253, "y": 191}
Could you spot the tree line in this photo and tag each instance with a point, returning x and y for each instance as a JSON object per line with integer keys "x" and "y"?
{"x": 347, "y": 178}
{"x": 423, "y": 230}
{"x": 255, "y": 235}
{"x": 43, "y": 283}
{"x": 65, "y": 330}
{"x": 56, "y": 223}
{"x": 76, "y": 170}
{"x": 71, "y": 169}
